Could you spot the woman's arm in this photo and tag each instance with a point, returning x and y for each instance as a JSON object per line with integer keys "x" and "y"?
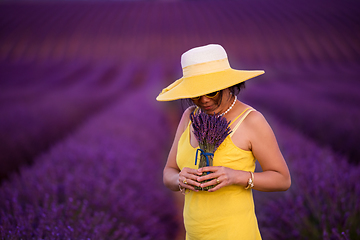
{"x": 172, "y": 176}
{"x": 275, "y": 175}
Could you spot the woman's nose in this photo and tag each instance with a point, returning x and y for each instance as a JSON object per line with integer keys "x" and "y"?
{"x": 204, "y": 99}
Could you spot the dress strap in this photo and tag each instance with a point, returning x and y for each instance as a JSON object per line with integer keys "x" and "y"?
{"x": 238, "y": 116}
{"x": 241, "y": 120}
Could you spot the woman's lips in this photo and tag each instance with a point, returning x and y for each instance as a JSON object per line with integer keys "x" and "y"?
{"x": 206, "y": 107}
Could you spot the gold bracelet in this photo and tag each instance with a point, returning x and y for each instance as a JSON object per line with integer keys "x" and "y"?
{"x": 250, "y": 183}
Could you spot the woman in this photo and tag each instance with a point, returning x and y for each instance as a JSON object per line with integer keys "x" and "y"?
{"x": 227, "y": 210}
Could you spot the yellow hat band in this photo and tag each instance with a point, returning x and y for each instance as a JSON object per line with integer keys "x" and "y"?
{"x": 206, "y": 67}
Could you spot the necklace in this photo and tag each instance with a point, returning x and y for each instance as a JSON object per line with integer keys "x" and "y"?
{"x": 229, "y": 107}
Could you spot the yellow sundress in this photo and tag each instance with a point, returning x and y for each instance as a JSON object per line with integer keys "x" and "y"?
{"x": 228, "y": 213}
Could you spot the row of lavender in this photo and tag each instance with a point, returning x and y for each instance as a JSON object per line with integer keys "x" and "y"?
{"x": 311, "y": 47}
{"x": 306, "y": 33}
{"x": 309, "y": 58}
{"x": 40, "y": 103}
{"x": 322, "y": 202}
{"x": 102, "y": 182}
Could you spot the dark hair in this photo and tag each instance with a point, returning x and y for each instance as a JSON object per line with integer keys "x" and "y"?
{"x": 235, "y": 90}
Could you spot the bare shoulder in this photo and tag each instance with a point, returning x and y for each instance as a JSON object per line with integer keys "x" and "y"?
{"x": 256, "y": 117}
{"x": 257, "y": 122}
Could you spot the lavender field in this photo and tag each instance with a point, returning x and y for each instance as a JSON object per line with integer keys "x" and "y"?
{"x": 83, "y": 141}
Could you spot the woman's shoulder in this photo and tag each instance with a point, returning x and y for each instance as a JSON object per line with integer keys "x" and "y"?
{"x": 253, "y": 116}
{"x": 244, "y": 109}
{"x": 255, "y": 120}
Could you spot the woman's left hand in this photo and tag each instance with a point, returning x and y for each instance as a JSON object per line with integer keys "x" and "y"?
{"x": 220, "y": 177}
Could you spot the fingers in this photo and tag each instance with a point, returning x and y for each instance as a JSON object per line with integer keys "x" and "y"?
{"x": 209, "y": 169}
{"x": 189, "y": 183}
{"x": 210, "y": 175}
{"x": 187, "y": 178}
{"x": 192, "y": 171}
{"x": 217, "y": 187}
{"x": 209, "y": 183}
{"x": 217, "y": 183}
{"x": 218, "y": 177}
{"x": 188, "y": 174}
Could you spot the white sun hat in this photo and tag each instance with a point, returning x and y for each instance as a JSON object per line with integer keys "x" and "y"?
{"x": 206, "y": 69}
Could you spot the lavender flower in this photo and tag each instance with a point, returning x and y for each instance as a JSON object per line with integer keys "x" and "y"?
{"x": 322, "y": 202}
{"x": 44, "y": 98}
{"x": 210, "y": 131}
{"x": 88, "y": 185}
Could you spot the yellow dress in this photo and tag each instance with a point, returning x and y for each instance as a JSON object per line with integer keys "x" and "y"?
{"x": 228, "y": 213}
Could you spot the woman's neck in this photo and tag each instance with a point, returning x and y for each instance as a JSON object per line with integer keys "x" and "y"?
{"x": 230, "y": 104}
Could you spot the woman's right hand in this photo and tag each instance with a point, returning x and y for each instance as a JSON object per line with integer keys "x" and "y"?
{"x": 187, "y": 178}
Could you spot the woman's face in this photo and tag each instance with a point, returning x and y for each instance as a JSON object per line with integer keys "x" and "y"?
{"x": 213, "y": 103}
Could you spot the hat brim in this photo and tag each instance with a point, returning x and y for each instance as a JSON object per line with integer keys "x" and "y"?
{"x": 199, "y": 85}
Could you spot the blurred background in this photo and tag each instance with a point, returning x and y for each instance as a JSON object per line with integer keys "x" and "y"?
{"x": 83, "y": 140}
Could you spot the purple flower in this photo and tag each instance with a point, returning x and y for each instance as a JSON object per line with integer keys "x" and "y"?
{"x": 210, "y": 131}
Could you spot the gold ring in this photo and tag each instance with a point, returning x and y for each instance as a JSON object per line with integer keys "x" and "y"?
{"x": 217, "y": 180}
{"x": 185, "y": 181}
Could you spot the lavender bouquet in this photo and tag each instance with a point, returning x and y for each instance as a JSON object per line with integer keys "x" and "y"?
{"x": 210, "y": 131}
